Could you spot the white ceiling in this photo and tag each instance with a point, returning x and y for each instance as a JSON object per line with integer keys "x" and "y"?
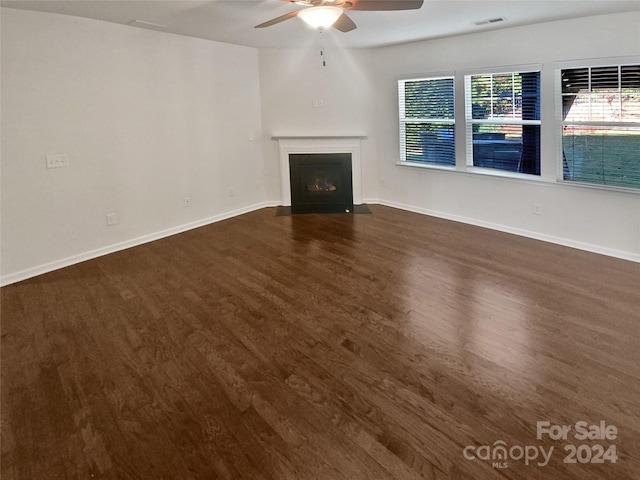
{"x": 232, "y": 21}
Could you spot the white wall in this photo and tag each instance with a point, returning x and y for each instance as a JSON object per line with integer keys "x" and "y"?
{"x": 292, "y": 79}
{"x": 147, "y": 118}
{"x": 592, "y": 219}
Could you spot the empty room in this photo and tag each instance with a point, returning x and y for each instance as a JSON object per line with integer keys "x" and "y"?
{"x": 320, "y": 239}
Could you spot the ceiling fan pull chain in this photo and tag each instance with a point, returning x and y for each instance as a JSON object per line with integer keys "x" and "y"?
{"x": 324, "y": 57}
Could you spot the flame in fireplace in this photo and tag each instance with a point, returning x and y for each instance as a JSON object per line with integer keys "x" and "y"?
{"x": 321, "y": 185}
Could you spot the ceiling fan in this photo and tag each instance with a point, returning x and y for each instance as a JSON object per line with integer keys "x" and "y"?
{"x": 324, "y": 14}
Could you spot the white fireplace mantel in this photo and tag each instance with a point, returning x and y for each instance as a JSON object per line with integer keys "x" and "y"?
{"x": 292, "y": 144}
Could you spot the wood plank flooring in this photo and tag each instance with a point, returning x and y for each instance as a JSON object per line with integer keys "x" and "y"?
{"x": 323, "y": 347}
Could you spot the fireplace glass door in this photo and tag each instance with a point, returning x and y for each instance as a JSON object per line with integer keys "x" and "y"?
{"x": 321, "y": 183}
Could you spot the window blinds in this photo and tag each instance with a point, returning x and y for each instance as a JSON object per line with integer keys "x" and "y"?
{"x": 503, "y": 121}
{"x": 427, "y": 120}
{"x": 601, "y": 125}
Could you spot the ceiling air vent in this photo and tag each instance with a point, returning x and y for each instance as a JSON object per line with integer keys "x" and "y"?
{"x": 489, "y": 21}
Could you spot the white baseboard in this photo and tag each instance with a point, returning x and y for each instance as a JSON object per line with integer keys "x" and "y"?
{"x": 65, "y": 262}
{"x": 518, "y": 231}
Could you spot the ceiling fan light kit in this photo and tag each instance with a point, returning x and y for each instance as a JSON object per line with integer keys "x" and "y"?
{"x": 320, "y": 17}
{"x": 323, "y": 14}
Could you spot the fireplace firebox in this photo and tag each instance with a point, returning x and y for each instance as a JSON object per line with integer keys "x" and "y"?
{"x": 321, "y": 183}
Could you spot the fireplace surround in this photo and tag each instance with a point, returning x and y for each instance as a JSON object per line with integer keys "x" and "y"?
{"x": 319, "y": 144}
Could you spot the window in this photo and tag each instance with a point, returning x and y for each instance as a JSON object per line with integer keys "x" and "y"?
{"x": 503, "y": 121}
{"x": 427, "y": 120}
{"x": 601, "y": 125}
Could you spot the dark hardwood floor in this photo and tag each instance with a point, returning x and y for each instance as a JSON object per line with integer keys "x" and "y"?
{"x": 383, "y": 346}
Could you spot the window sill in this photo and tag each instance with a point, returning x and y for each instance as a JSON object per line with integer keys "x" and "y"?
{"x": 428, "y": 166}
{"x": 494, "y": 172}
{"x": 489, "y": 172}
{"x": 596, "y": 186}
{"x": 521, "y": 177}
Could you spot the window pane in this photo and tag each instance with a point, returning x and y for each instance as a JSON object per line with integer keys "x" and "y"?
{"x": 602, "y": 155}
{"x": 575, "y": 80}
{"x": 505, "y": 95}
{"x": 605, "y": 78}
{"x": 427, "y": 120}
{"x": 430, "y": 142}
{"x": 530, "y": 87}
{"x": 503, "y": 121}
{"x": 602, "y": 94}
{"x": 605, "y": 106}
{"x": 430, "y": 98}
{"x": 631, "y": 106}
{"x": 630, "y": 77}
{"x": 513, "y": 148}
{"x": 608, "y": 153}
{"x": 481, "y": 97}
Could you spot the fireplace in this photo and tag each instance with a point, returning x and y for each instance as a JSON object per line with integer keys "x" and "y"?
{"x": 321, "y": 183}
{"x": 311, "y": 145}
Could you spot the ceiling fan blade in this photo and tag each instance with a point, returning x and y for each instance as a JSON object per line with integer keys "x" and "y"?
{"x": 382, "y": 5}
{"x": 344, "y": 23}
{"x": 279, "y": 19}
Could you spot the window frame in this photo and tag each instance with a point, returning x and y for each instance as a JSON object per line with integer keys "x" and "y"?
{"x": 559, "y": 67}
{"x": 470, "y": 121}
{"x": 403, "y": 119}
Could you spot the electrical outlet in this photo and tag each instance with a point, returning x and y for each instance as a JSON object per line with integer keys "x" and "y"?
{"x": 537, "y": 209}
{"x": 187, "y": 201}
{"x": 112, "y": 219}
{"x": 58, "y": 160}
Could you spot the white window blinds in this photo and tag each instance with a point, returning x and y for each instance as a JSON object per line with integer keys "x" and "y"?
{"x": 503, "y": 121}
{"x": 601, "y": 125}
{"x": 426, "y": 112}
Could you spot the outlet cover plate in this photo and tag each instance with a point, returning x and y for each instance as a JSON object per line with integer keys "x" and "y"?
{"x": 58, "y": 160}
